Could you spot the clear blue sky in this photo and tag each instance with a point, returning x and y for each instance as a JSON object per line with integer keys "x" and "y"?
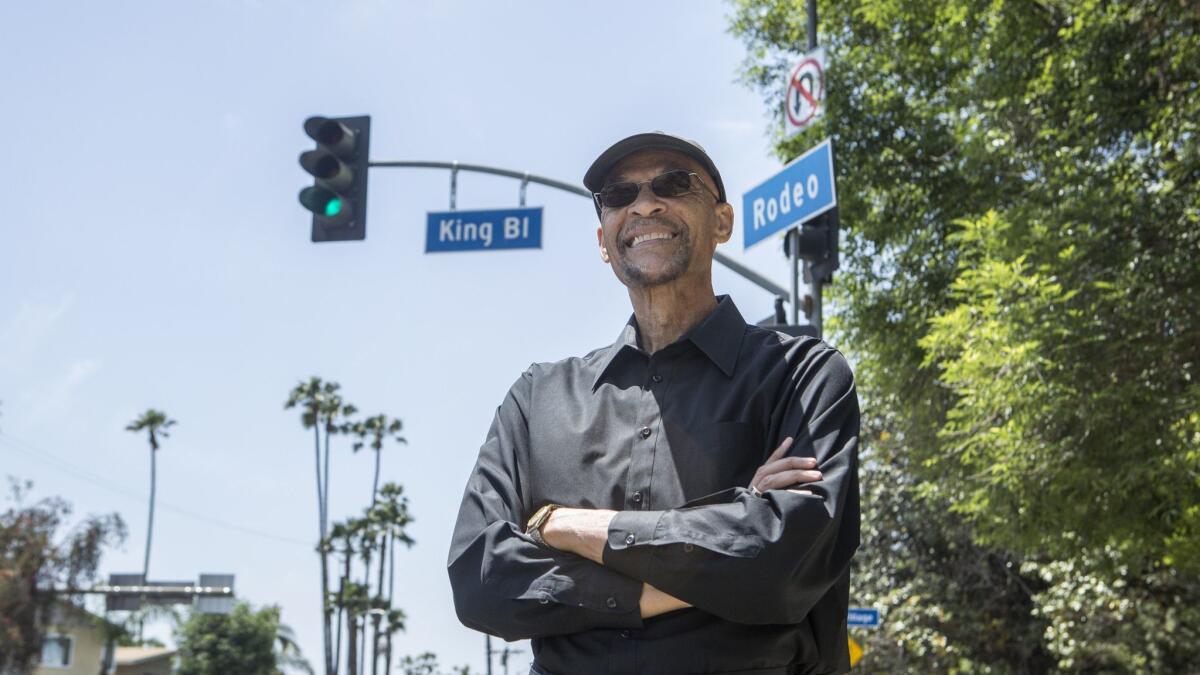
{"x": 154, "y": 253}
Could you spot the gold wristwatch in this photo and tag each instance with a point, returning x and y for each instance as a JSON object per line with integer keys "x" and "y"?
{"x": 534, "y": 527}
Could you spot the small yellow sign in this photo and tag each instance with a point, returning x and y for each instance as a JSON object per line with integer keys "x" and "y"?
{"x": 856, "y": 652}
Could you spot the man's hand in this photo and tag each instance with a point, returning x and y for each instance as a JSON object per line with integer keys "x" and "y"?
{"x": 580, "y": 531}
{"x": 655, "y": 602}
{"x": 780, "y": 472}
{"x": 584, "y": 532}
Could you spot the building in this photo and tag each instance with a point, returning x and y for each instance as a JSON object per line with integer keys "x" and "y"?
{"x": 78, "y": 643}
{"x": 144, "y": 661}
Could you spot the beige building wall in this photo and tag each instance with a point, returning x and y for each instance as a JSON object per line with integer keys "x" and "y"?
{"x": 85, "y": 652}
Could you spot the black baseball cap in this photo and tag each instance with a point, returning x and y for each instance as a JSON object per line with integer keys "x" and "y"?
{"x": 598, "y": 171}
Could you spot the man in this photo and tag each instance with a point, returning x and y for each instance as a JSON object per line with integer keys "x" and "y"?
{"x": 684, "y": 500}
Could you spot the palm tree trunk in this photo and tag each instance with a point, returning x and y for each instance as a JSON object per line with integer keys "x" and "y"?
{"x": 375, "y": 483}
{"x": 149, "y": 530}
{"x": 150, "y": 523}
{"x": 327, "y": 611}
{"x": 321, "y": 525}
{"x": 352, "y": 643}
{"x": 362, "y": 654}
{"x": 375, "y": 617}
{"x": 367, "y": 571}
{"x": 337, "y": 654}
{"x": 387, "y": 660}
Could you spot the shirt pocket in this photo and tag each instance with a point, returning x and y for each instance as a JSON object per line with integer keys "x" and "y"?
{"x": 726, "y": 455}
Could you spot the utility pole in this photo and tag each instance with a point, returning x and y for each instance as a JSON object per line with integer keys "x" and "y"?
{"x": 487, "y": 645}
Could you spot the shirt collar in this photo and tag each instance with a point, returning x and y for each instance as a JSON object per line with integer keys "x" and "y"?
{"x": 718, "y": 336}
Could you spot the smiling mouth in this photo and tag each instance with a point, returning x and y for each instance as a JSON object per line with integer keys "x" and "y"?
{"x": 652, "y": 236}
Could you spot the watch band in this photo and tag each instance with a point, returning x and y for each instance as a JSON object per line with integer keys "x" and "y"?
{"x": 534, "y": 527}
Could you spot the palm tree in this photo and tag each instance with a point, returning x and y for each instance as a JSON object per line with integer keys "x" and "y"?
{"x": 155, "y": 423}
{"x": 321, "y": 407}
{"x": 378, "y": 429}
{"x": 287, "y": 651}
{"x": 391, "y": 517}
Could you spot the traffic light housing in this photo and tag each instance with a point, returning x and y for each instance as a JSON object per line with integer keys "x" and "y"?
{"x": 338, "y": 196}
{"x": 818, "y": 242}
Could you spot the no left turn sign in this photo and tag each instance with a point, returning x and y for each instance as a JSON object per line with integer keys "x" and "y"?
{"x": 805, "y": 92}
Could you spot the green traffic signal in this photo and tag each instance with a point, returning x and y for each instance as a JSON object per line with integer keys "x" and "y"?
{"x": 338, "y": 165}
{"x": 324, "y": 203}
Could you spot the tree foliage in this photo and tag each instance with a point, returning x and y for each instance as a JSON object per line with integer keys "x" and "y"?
{"x": 1020, "y": 293}
{"x": 244, "y": 641}
{"x": 42, "y": 559}
{"x": 427, "y": 664}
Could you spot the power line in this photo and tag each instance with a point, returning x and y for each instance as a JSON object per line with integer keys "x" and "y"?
{"x": 79, "y": 473}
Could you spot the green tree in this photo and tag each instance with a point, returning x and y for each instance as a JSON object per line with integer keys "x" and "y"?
{"x": 41, "y": 561}
{"x": 427, "y": 664}
{"x": 1019, "y": 292}
{"x": 322, "y": 409}
{"x": 243, "y": 641}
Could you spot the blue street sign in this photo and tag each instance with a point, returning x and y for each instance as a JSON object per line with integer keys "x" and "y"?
{"x": 802, "y": 190}
{"x": 483, "y": 230}
{"x": 863, "y": 617}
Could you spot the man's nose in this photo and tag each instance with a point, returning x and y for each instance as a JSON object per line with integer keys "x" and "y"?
{"x": 647, "y": 203}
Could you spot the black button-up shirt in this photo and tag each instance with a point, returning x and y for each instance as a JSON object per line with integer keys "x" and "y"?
{"x": 670, "y": 440}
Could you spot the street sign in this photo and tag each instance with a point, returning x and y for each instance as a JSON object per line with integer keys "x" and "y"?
{"x": 449, "y": 231}
{"x": 800, "y": 191}
{"x": 805, "y": 99}
{"x": 856, "y": 652}
{"x": 863, "y": 617}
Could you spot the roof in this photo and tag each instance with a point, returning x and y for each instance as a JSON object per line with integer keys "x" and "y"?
{"x": 133, "y": 656}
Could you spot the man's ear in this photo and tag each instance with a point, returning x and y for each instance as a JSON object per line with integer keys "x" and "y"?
{"x": 724, "y": 229}
{"x": 600, "y": 241}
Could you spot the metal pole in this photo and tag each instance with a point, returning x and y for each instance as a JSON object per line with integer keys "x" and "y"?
{"x": 814, "y": 283}
{"x": 793, "y": 248}
{"x": 526, "y": 177}
{"x": 488, "y": 646}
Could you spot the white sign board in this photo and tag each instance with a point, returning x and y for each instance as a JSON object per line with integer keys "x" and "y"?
{"x": 805, "y": 99}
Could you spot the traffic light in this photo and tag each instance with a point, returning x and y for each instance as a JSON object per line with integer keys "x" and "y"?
{"x": 818, "y": 242}
{"x": 338, "y": 195}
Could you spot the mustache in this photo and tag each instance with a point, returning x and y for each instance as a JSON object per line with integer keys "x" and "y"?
{"x": 674, "y": 226}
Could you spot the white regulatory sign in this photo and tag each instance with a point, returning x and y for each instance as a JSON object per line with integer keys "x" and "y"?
{"x": 805, "y": 100}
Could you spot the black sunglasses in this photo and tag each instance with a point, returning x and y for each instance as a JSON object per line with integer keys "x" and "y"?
{"x": 673, "y": 183}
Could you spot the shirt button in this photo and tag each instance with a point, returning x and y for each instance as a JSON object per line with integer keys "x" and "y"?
{"x": 611, "y": 602}
{"x": 544, "y": 598}
{"x": 656, "y": 377}
{"x": 637, "y": 498}
{"x": 645, "y": 432}
{"x": 625, "y": 634}
{"x": 687, "y": 548}
{"x": 629, "y": 539}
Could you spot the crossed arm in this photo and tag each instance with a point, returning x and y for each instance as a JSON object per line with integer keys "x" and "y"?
{"x": 584, "y": 532}
{"x": 740, "y": 555}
